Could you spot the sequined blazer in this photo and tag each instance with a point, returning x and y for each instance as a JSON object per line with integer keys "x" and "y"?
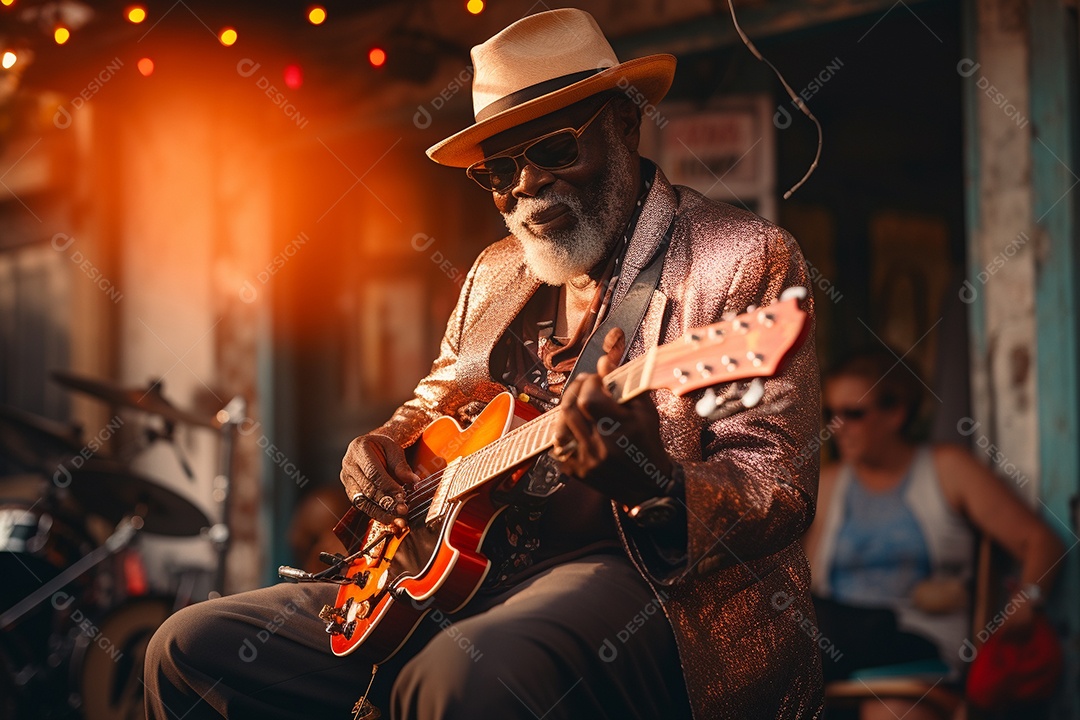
{"x": 739, "y": 604}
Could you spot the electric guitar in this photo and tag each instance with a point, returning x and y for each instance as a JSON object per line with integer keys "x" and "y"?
{"x": 394, "y": 579}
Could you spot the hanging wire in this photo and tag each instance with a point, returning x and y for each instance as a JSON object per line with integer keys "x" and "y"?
{"x": 798, "y": 101}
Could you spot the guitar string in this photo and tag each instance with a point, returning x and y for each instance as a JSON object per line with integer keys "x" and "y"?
{"x": 425, "y": 490}
{"x": 429, "y": 485}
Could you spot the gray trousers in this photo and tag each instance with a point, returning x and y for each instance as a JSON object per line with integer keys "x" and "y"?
{"x": 585, "y": 639}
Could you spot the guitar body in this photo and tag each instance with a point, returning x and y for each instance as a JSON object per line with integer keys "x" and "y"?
{"x": 401, "y": 579}
{"x": 393, "y": 580}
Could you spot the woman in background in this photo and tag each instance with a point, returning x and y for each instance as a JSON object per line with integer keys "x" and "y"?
{"x": 892, "y": 546}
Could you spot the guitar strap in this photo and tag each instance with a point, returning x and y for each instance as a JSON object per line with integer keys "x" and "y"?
{"x": 627, "y": 315}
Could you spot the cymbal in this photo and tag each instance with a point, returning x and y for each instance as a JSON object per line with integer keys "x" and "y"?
{"x": 34, "y": 441}
{"x": 108, "y": 489}
{"x": 149, "y": 399}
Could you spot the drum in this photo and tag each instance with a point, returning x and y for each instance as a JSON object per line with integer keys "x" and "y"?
{"x": 108, "y": 661}
{"x": 37, "y": 542}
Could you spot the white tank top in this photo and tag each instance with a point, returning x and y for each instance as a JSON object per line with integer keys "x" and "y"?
{"x": 948, "y": 536}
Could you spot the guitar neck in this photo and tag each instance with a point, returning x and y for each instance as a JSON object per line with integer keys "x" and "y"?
{"x": 538, "y": 435}
{"x": 750, "y": 345}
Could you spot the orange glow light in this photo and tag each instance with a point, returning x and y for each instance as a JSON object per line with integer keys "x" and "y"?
{"x": 8, "y": 60}
{"x": 61, "y": 35}
{"x": 316, "y": 14}
{"x": 227, "y": 36}
{"x": 475, "y": 6}
{"x": 146, "y": 67}
{"x": 135, "y": 14}
{"x": 377, "y": 57}
{"x": 8, "y": 2}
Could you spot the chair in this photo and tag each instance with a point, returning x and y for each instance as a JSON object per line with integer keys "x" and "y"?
{"x": 918, "y": 681}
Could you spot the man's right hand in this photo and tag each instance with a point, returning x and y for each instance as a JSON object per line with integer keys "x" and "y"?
{"x": 375, "y": 474}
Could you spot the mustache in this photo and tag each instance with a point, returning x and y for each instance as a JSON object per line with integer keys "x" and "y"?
{"x": 526, "y": 207}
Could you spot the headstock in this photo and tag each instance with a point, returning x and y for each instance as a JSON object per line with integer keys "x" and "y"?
{"x": 751, "y": 345}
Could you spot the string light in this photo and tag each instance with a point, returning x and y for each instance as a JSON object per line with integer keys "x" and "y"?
{"x": 146, "y": 66}
{"x": 227, "y": 36}
{"x": 475, "y": 6}
{"x": 135, "y": 14}
{"x": 61, "y": 34}
{"x": 316, "y": 14}
{"x": 294, "y": 76}
{"x": 377, "y": 57}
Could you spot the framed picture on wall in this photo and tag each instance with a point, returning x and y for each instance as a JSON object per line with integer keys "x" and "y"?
{"x": 725, "y": 150}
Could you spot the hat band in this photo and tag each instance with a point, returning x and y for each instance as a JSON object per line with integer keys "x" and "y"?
{"x": 532, "y": 92}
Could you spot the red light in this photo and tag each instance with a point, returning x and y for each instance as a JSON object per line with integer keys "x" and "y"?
{"x": 294, "y": 76}
{"x": 377, "y": 57}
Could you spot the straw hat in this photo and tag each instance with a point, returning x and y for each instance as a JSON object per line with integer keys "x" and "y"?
{"x": 542, "y": 63}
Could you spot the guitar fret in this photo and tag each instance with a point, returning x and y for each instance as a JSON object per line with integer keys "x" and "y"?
{"x": 486, "y": 463}
{"x": 464, "y": 478}
{"x": 515, "y": 450}
{"x": 497, "y": 461}
{"x": 536, "y": 440}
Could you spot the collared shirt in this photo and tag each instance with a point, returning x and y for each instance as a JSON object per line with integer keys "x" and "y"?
{"x": 577, "y": 520}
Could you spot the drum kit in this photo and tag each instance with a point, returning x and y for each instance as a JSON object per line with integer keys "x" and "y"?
{"x": 76, "y": 611}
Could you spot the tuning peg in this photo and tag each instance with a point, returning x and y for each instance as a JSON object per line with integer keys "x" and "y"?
{"x": 798, "y": 292}
{"x": 708, "y": 403}
{"x": 753, "y": 394}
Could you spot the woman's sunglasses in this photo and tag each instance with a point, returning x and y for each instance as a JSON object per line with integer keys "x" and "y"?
{"x": 847, "y": 414}
{"x": 554, "y": 151}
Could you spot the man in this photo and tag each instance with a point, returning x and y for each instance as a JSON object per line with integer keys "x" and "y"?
{"x": 656, "y": 583}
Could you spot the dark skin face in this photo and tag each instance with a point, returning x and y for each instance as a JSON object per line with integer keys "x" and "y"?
{"x": 582, "y": 176}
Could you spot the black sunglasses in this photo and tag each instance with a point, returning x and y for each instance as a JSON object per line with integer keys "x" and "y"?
{"x": 847, "y": 414}
{"x": 553, "y": 151}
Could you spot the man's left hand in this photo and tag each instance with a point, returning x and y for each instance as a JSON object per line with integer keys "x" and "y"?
{"x": 613, "y": 447}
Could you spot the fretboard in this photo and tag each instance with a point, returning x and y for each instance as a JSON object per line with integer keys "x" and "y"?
{"x": 537, "y": 435}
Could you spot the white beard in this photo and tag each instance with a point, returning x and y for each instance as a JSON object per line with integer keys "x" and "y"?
{"x": 560, "y": 256}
